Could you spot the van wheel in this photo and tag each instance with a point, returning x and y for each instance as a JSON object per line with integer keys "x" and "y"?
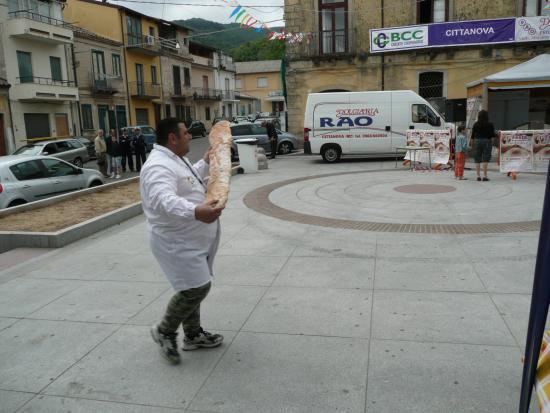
{"x": 78, "y": 163}
{"x": 331, "y": 154}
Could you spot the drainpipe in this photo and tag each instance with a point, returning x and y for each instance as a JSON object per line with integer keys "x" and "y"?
{"x": 14, "y": 143}
{"x": 126, "y": 71}
{"x": 382, "y": 85}
{"x": 76, "y": 84}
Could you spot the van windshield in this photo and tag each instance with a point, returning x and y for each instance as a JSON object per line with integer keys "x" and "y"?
{"x": 422, "y": 113}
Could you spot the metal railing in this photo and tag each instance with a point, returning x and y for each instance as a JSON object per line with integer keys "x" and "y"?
{"x": 108, "y": 84}
{"x": 27, "y": 14}
{"x": 182, "y": 92}
{"x": 330, "y": 43}
{"x": 143, "y": 41}
{"x": 275, "y": 93}
{"x": 200, "y": 93}
{"x": 144, "y": 89}
{"x": 46, "y": 81}
{"x": 228, "y": 94}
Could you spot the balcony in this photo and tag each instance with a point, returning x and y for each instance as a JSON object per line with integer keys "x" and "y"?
{"x": 204, "y": 61}
{"x": 181, "y": 94}
{"x": 276, "y": 96}
{"x": 105, "y": 84}
{"x": 228, "y": 95}
{"x": 144, "y": 90}
{"x": 145, "y": 44}
{"x": 28, "y": 25}
{"x": 41, "y": 89}
{"x": 200, "y": 93}
{"x": 324, "y": 45}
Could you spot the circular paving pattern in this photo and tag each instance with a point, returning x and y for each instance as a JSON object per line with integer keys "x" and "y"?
{"x": 347, "y": 196}
{"x": 424, "y": 189}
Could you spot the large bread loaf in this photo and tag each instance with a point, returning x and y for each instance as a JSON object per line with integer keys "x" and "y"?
{"x": 220, "y": 164}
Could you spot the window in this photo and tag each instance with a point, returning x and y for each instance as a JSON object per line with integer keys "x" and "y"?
{"x": 55, "y": 66}
{"x": 121, "y": 116}
{"x": 133, "y": 25}
{"x": 432, "y": 11}
{"x": 74, "y": 144}
{"x": 205, "y": 84}
{"x": 63, "y": 146}
{"x": 87, "y": 119}
{"x": 117, "y": 67}
{"x": 25, "y": 67}
{"x": 154, "y": 75}
{"x": 227, "y": 88}
{"x": 176, "y": 74}
{"x": 142, "y": 116}
{"x": 187, "y": 76}
{"x": 180, "y": 112}
{"x": 139, "y": 79}
{"x": 424, "y": 114}
{"x": 258, "y": 130}
{"x": 26, "y": 171}
{"x": 207, "y": 113}
{"x": 168, "y": 111}
{"x": 57, "y": 168}
{"x": 238, "y": 83}
{"x": 430, "y": 84}
{"x": 37, "y": 125}
{"x": 534, "y": 8}
{"x": 262, "y": 82}
{"x": 333, "y": 26}
{"x": 241, "y": 130}
{"x": 98, "y": 65}
{"x": 151, "y": 31}
{"x": 49, "y": 149}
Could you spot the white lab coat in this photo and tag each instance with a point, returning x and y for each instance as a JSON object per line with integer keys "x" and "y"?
{"x": 183, "y": 246}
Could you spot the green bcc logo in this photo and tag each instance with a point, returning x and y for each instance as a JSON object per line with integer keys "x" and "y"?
{"x": 383, "y": 39}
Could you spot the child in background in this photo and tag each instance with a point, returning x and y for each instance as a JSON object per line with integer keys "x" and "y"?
{"x": 461, "y": 146}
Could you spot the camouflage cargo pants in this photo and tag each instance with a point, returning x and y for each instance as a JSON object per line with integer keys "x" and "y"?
{"x": 184, "y": 309}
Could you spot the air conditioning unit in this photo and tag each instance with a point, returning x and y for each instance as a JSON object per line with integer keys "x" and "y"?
{"x": 150, "y": 40}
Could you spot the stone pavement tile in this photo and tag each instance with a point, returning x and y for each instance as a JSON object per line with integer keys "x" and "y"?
{"x": 409, "y": 377}
{"x": 10, "y": 401}
{"x": 105, "y": 302}
{"x": 439, "y": 316}
{"x": 20, "y": 297}
{"x": 128, "y": 368}
{"x": 507, "y": 276}
{"x": 313, "y": 311}
{"x": 246, "y": 270}
{"x": 426, "y": 274}
{"x": 251, "y": 241}
{"x": 6, "y": 322}
{"x": 225, "y": 308}
{"x": 274, "y": 373}
{"x": 111, "y": 266}
{"x": 49, "y": 404}
{"x": 115, "y": 243}
{"x": 500, "y": 245}
{"x": 327, "y": 272}
{"x": 423, "y": 246}
{"x": 334, "y": 243}
{"x": 34, "y": 352}
{"x": 16, "y": 256}
{"x": 515, "y": 310}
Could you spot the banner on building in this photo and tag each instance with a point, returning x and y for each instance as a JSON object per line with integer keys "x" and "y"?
{"x": 533, "y": 29}
{"x": 465, "y": 33}
{"x": 524, "y": 151}
{"x": 437, "y": 141}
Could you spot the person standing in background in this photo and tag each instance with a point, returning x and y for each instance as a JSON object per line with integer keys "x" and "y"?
{"x": 108, "y": 143}
{"x": 483, "y": 133}
{"x": 101, "y": 153}
{"x": 139, "y": 148}
{"x": 272, "y": 135}
{"x": 116, "y": 157}
{"x": 461, "y": 146}
{"x": 126, "y": 143}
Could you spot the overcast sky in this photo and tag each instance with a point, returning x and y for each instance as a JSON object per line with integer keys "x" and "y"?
{"x": 215, "y": 10}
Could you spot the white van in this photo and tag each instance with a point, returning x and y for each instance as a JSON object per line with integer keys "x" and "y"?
{"x": 364, "y": 123}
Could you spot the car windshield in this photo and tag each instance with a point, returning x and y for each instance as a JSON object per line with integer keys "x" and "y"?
{"x": 29, "y": 150}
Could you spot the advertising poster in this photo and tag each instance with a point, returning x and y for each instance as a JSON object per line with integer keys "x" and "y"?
{"x": 438, "y": 142}
{"x": 532, "y": 29}
{"x": 516, "y": 151}
{"x": 541, "y": 151}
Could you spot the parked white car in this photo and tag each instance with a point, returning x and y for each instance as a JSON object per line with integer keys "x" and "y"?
{"x": 26, "y": 179}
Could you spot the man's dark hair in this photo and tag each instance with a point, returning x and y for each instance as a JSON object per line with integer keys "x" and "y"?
{"x": 165, "y": 127}
{"x": 483, "y": 117}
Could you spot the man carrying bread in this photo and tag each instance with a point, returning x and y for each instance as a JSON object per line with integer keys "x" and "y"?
{"x": 184, "y": 233}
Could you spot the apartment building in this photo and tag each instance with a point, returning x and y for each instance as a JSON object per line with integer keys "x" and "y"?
{"x": 36, "y": 46}
{"x": 225, "y": 81}
{"x": 262, "y": 80}
{"x": 205, "y": 95}
{"x": 101, "y": 78}
{"x": 338, "y": 54}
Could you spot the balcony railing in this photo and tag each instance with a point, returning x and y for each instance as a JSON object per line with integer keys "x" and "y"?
{"x": 181, "y": 93}
{"x": 330, "y": 43}
{"x": 228, "y": 95}
{"x": 105, "y": 84}
{"x": 26, "y": 14}
{"x": 205, "y": 61}
{"x": 200, "y": 93}
{"x": 144, "y": 90}
{"x": 46, "y": 81}
{"x": 145, "y": 43}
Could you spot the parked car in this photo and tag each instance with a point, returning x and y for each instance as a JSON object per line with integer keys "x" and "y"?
{"x": 197, "y": 128}
{"x": 70, "y": 150}
{"x": 286, "y": 142}
{"x": 240, "y": 119}
{"x": 149, "y": 135}
{"x": 32, "y": 178}
{"x": 89, "y": 144}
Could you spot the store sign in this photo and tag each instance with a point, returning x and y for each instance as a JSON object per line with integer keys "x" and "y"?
{"x": 466, "y": 33}
{"x": 533, "y": 29}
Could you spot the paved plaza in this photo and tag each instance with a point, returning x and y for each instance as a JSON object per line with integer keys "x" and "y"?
{"x": 353, "y": 287}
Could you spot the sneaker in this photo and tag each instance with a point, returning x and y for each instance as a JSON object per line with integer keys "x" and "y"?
{"x": 168, "y": 345}
{"x": 203, "y": 339}
{"x": 117, "y": 177}
{"x": 112, "y": 176}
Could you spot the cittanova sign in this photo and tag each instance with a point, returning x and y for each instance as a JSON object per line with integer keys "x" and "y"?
{"x": 466, "y": 33}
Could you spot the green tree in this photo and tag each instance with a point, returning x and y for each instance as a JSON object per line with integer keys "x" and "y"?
{"x": 260, "y": 49}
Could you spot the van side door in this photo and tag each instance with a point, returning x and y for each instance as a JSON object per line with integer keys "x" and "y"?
{"x": 328, "y": 127}
{"x": 370, "y": 119}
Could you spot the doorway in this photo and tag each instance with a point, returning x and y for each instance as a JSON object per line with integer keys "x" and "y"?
{"x": 62, "y": 124}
